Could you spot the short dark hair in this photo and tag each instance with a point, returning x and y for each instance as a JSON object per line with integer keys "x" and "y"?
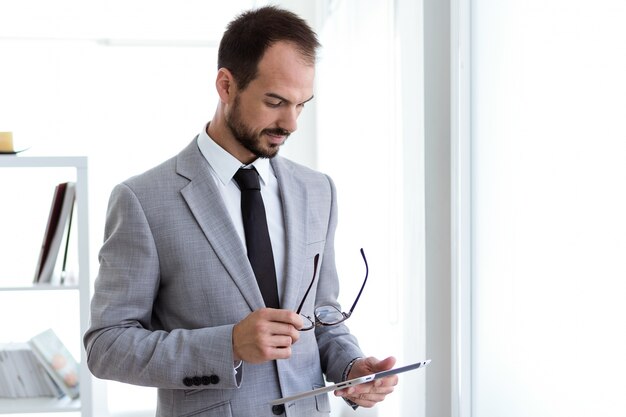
{"x": 248, "y": 36}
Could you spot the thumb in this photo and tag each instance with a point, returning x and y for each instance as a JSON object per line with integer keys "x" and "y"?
{"x": 380, "y": 365}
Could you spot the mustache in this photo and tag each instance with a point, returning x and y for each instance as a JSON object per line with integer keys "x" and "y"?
{"x": 277, "y": 132}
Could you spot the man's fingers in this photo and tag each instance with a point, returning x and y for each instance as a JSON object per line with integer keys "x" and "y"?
{"x": 280, "y": 342}
{"x": 370, "y": 398}
{"x": 282, "y": 316}
{"x": 280, "y": 353}
{"x": 370, "y": 388}
{"x": 367, "y": 395}
{"x": 287, "y": 330}
{"x": 266, "y": 334}
{"x": 374, "y": 365}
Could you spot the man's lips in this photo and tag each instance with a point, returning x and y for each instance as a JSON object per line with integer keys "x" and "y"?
{"x": 277, "y": 137}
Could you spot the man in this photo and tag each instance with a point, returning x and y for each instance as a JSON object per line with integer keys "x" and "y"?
{"x": 179, "y": 303}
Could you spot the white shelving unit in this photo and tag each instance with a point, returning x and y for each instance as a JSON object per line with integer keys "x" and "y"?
{"x": 84, "y": 404}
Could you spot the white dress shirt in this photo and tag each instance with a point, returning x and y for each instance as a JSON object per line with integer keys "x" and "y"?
{"x": 223, "y": 168}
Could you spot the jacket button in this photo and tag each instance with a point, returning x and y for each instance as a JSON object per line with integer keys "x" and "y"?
{"x": 197, "y": 380}
{"x": 206, "y": 380}
{"x": 187, "y": 382}
{"x": 278, "y": 409}
{"x": 215, "y": 379}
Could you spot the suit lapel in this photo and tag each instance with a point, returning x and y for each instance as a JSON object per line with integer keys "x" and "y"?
{"x": 294, "y": 201}
{"x": 205, "y": 202}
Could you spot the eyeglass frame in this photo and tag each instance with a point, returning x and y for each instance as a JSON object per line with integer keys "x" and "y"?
{"x": 317, "y": 322}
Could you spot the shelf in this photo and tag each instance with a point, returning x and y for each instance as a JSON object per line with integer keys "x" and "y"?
{"x": 72, "y": 168}
{"x": 38, "y": 405}
{"x": 16, "y": 161}
{"x": 37, "y": 287}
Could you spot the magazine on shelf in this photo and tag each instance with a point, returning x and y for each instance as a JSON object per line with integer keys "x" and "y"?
{"x": 57, "y": 360}
{"x": 22, "y": 375}
{"x": 56, "y": 236}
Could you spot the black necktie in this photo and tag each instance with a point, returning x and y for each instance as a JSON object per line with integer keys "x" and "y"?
{"x": 257, "y": 235}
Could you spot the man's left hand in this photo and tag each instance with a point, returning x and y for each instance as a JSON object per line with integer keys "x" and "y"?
{"x": 367, "y": 395}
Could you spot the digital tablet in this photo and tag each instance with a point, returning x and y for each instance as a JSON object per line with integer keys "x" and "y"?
{"x": 350, "y": 383}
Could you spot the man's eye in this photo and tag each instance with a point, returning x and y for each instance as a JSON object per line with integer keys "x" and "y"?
{"x": 272, "y": 104}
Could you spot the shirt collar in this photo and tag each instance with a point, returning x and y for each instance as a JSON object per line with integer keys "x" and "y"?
{"x": 224, "y": 164}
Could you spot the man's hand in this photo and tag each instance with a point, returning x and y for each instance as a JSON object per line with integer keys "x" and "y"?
{"x": 367, "y": 395}
{"x": 265, "y": 335}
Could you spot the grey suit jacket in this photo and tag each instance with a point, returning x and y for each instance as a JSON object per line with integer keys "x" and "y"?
{"x": 174, "y": 278}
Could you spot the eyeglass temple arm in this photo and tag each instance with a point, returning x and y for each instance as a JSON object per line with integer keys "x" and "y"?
{"x": 317, "y": 257}
{"x": 362, "y": 286}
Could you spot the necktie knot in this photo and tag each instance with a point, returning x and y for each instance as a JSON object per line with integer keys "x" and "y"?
{"x": 247, "y": 179}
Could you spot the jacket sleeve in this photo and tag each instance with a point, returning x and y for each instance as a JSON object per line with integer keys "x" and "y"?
{"x": 122, "y": 342}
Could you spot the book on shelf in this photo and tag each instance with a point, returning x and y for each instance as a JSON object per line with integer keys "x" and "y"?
{"x": 51, "y": 265}
{"x": 22, "y": 375}
{"x": 57, "y": 360}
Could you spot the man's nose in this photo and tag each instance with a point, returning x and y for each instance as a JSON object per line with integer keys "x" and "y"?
{"x": 289, "y": 118}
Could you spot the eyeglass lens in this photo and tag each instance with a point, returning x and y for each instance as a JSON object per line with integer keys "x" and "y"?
{"x": 328, "y": 315}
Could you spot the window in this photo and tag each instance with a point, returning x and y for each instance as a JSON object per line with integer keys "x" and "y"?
{"x": 548, "y": 230}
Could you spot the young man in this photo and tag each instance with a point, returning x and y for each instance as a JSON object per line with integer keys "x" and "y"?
{"x": 184, "y": 301}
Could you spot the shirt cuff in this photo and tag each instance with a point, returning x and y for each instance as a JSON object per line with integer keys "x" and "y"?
{"x": 238, "y": 369}
{"x": 346, "y": 371}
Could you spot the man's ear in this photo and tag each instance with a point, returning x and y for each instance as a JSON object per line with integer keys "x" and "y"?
{"x": 225, "y": 85}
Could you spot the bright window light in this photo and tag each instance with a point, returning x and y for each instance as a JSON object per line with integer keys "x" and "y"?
{"x": 548, "y": 106}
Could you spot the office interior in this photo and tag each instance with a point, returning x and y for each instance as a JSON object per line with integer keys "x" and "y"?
{"x": 488, "y": 137}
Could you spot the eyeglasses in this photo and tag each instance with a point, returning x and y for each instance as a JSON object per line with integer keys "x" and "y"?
{"x": 328, "y": 315}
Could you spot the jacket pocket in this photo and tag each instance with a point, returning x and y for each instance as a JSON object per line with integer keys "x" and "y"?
{"x": 189, "y": 392}
{"x": 315, "y": 248}
{"x": 216, "y": 410}
{"x": 322, "y": 403}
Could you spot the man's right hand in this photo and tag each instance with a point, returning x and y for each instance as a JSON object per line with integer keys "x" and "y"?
{"x": 265, "y": 335}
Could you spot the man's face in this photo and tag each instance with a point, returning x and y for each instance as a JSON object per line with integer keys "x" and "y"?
{"x": 262, "y": 116}
{"x": 251, "y": 139}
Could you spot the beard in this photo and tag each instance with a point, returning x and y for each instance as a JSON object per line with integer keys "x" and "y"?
{"x": 250, "y": 139}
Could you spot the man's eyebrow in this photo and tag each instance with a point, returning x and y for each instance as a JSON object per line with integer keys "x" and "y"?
{"x": 278, "y": 97}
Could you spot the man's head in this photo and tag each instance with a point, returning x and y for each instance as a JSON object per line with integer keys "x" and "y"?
{"x": 248, "y": 37}
{"x": 265, "y": 76}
